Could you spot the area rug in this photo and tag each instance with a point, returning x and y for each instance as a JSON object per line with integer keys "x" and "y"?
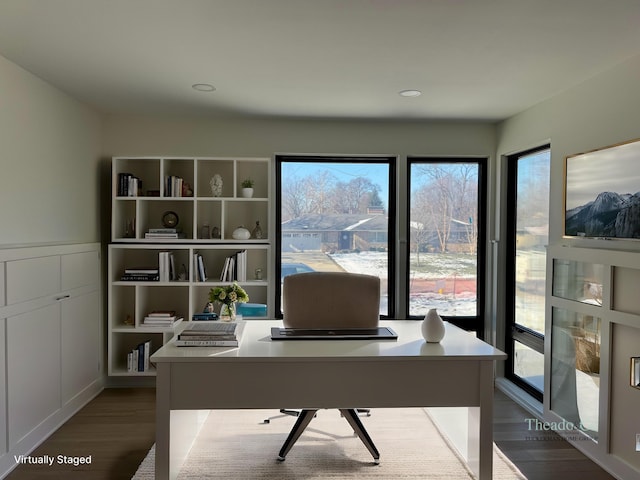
{"x": 237, "y": 445}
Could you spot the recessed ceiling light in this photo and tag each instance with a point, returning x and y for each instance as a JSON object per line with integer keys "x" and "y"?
{"x": 203, "y": 87}
{"x": 410, "y": 93}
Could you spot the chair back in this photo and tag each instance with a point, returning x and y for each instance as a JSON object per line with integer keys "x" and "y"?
{"x": 331, "y": 300}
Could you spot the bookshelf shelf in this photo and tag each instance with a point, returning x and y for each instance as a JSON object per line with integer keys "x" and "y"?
{"x": 143, "y": 190}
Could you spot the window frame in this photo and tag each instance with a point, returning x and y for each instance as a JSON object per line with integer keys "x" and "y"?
{"x": 471, "y": 323}
{"x": 392, "y": 214}
{"x": 515, "y": 332}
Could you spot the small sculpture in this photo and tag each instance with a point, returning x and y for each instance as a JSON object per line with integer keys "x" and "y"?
{"x": 257, "y": 231}
{"x": 216, "y": 185}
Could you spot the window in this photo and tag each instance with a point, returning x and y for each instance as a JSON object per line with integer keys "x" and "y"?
{"x": 336, "y": 213}
{"x": 446, "y": 239}
{"x": 527, "y": 237}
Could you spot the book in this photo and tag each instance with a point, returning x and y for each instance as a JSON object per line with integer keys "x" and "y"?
{"x": 162, "y": 313}
{"x": 164, "y": 235}
{"x": 210, "y": 334}
{"x": 141, "y": 270}
{"x": 210, "y": 328}
{"x": 161, "y": 323}
{"x": 140, "y": 277}
{"x": 204, "y": 316}
{"x": 208, "y": 337}
{"x": 163, "y": 230}
{"x": 207, "y": 343}
{"x": 201, "y": 270}
{"x": 167, "y": 266}
{"x": 138, "y": 358}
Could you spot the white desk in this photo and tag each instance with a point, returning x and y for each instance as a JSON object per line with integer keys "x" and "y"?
{"x": 328, "y": 374}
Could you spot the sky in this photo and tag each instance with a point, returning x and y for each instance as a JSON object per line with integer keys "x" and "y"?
{"x": 378, "y": 174}
{"x": 615, "y": 169}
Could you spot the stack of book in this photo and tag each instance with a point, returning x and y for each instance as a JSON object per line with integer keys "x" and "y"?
{"x": 235, "y": 267}
{"x": 173, "y": 186}
{"x": 129, "y": 185}
{"x": 199, "y": 268}
{"x": 140, "y": 274}
{"x": 160, "y": 233}
{"x": 161, "y": 318}
{"x": 138, "y": 358}
{"x": 167, "y": 266}
{"x": 210, "y": 334}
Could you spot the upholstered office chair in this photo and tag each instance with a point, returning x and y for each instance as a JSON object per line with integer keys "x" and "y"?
{"x": 330, "y": 300}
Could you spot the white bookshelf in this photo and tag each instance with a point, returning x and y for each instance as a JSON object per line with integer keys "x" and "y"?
{"x": 135, "y": 213}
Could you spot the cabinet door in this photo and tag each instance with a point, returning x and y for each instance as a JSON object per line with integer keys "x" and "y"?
{"x": 80, "y": 343}
{"x": 3, "y": 389}
{"x": 2, "y": 294}
{"x": 32, "y": 278}
{"x": 79, "y": 269}
{"x": 33, "y": 369}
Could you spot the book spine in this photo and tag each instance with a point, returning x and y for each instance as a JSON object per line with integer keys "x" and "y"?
{"x": 140, "y": 278}
{"x": 147, "y": 354}
{"x": 207, "y": 343}
{"x": 209, "y": 338}
{"x": 141, "y": 357}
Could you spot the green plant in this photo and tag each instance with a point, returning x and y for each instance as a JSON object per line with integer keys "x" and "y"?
{"x": 247, "y": 183}
{"x": 228, "y": 294}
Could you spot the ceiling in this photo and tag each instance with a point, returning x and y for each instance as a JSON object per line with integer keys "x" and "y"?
{"x": 472, "y": 59}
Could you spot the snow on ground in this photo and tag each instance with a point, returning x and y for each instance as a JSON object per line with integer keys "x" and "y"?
{"x": 375, "y": 263}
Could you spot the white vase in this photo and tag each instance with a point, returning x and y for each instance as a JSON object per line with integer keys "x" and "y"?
{"x": 247, "y": 192}
{"x": 241, "y": 233}
{"x": 433, "y": 327}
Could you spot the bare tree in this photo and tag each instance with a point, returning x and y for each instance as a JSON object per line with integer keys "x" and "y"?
{"x": 354, "y": 196}
{"x": 447, "y": 203}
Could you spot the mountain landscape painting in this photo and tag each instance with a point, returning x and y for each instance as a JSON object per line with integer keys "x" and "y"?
{"x": 602, "y": 193}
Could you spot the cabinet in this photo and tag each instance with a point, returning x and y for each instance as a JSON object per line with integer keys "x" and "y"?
{"x": 144, "y": 189}
{"x": 593, "y": 332}
{"x": 50, "y": 313}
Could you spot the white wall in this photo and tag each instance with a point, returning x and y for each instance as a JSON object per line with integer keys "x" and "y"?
{"x": 602, "y": 111}
{"x": 49, "y": 180}
{"x": 137, "y": 135}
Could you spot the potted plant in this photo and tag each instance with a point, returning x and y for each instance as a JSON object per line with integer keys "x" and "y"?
{"x": 228, "y": 296}
{"x": 247, "y": 188}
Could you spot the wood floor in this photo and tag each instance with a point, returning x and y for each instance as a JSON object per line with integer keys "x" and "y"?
{"x": 117, "y": 429}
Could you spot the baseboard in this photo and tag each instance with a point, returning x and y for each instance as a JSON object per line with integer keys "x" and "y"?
{"x": 522, "y": 398}
{"x": 48, "y": 426}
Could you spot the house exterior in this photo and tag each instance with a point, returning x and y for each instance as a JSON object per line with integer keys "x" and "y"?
{"x": 335, "y": 232}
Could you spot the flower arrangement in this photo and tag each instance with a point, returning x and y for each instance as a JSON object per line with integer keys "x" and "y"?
{"x": 228, "y": 295}
{"x": 247, "y": 183}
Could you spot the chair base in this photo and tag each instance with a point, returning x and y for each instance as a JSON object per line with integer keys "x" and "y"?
{"x": 351, "y": 415}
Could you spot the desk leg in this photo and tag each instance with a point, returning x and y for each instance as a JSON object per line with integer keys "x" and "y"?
{"x": 176, "y": 430}
{"x": 163, "y": 421}
{"x": 480, "y": 447}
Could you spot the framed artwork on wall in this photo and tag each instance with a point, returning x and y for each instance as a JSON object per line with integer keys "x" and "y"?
{"x": 602, "y": 193}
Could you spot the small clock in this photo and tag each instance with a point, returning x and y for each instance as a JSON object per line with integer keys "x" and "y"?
{"x": 170, "y": 219}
